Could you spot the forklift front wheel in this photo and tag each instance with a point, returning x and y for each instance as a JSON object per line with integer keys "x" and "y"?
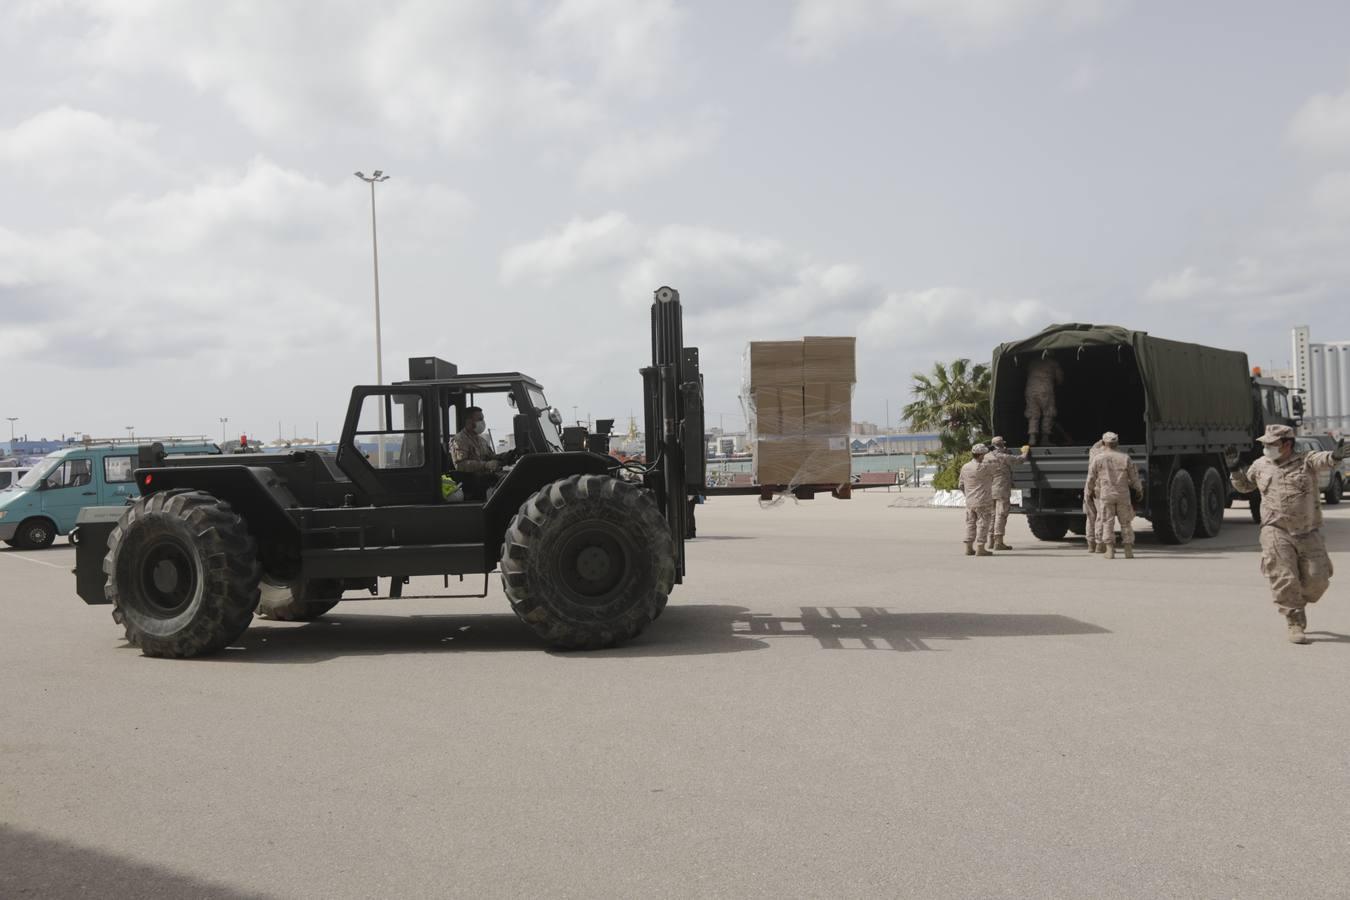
{"x": 588, "y": 562}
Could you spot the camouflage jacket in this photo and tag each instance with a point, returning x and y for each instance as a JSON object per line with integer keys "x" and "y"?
{"x": 1093, "y": 452}
{"x": 1288, "y": 490}
{"x": 1112, "y": 475}
{"x": 1002, "y": 463}
{"x": 1043, "y": 376}
{"x": 471, "y": 452}
{"x": 977, "y": 482}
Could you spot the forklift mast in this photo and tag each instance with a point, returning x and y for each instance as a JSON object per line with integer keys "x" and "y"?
{"x": 673, "y": 411}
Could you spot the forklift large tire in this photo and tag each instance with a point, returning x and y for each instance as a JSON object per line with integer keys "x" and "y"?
{"x": 36, "y": 533}
{"x": 182, "y": 574}
{"x": 1210, "y": 504}
{"x": 1050, "y": 527}
{"x": 1174, "y": 522}
{"x": 588, "y": 562}
{"x": 287, "y": 601}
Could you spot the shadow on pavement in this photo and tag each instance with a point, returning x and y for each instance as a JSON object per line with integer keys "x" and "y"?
{"x": 1328, "y": 637}
{"x": 32, "y": 865}
{"x": 681, "y": 631}
{"x": 876, "y": 628}
{"x": 693, "y": 630}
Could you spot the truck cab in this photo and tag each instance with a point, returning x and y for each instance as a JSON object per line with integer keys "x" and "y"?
{"x": 47, "y": 500}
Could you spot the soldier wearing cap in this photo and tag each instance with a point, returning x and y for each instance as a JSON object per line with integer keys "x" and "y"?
{"x": 1293, "y": 554}
{"x": 1090, "y": 504}
{"x": 1112, "y": 477}
{"x": 1002, "y": 461}
{"x": 977, "y": 483}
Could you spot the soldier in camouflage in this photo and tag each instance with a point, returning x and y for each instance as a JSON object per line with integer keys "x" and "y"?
{"x": 470, "y": 449}
{"x": 1090, "y": 504}
{"x": 1043, "y": 376}
{"x": 1002, "y": 461}
{"x": 1112, "y": 478}
{"x": 1293, "y": 555}
{"x": 976, "y": 482}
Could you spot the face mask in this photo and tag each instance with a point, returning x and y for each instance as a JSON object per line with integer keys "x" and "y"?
{"x": 1271, "y": 452}
{"x": 479, "y": 427}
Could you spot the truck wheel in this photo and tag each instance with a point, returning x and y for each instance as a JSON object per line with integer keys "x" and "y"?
{"x": 588, "y": 562}
{"x": 182, "y": 574}
{"x": 35, "y": 534}
{"x": 1209, "y": 514}
{"x": 1078, "y": 525}
{"x": 1175, "y": 522}
{"x": 1049, "y": 528}
{"x": 287, "y": 601}
{"x": 1335, "y": 490}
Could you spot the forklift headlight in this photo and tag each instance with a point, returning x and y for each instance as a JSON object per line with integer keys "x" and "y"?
{"x": 554, "y": 416}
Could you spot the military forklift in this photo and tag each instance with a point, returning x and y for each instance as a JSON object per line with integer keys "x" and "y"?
{"x": 588, "y": 548}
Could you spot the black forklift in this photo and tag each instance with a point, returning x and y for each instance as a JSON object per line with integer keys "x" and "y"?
{"x": 588, "y": 547}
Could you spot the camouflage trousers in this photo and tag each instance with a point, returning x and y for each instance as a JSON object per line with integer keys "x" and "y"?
{"x": 978, "y": 519}
{"x": 1109, "y": 511}
{"x": 1090, "y": 514}
{"x": 1296, "y": 565}
{"x": 1040, "y": 413}
{"x": 999, "y": 524}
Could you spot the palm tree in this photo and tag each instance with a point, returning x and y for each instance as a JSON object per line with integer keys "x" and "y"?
{"x": 954, "y": 401}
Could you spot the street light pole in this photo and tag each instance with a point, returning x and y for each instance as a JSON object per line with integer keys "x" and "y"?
{"x": 223, "y": 420}
{"x": 131, "y": 429}
{"x": 373, "y": 179}
{"x": 12, "y": 420}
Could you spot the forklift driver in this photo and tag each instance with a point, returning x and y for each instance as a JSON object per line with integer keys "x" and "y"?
{"x": 470, "y": 449}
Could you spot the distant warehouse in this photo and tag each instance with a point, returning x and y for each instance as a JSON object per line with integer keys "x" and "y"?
{"x": 1322, "y": 373}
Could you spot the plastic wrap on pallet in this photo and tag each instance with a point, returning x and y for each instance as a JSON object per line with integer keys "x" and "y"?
{"x": 800, "y": 428}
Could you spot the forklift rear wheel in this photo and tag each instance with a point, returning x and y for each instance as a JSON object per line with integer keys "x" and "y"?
{"x": 588, "y": 562}
{"x": 182, "y": 574}
{"x": 287, "y": 601}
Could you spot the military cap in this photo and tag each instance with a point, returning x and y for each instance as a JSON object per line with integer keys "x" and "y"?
{"x": 1110, "y": 438}
{"x": 979, "y": 450}
{"x": 1276, "y": 433}
{"x": 998, "y": 442}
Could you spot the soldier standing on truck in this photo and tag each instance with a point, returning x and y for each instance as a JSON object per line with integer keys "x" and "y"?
{"x": 1002, "y": 461}
{"x": 1113, "y": 477}
{"x": 1090, "y": 503}
{"x": 1043, "y": 376}
{"x": 1293, "y": 554}
{"x": 977, "y": 482}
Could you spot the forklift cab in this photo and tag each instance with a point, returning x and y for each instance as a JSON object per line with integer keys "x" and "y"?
{"x": 396, "y": 440}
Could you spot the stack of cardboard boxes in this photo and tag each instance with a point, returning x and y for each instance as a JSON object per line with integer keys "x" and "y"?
{"x": 801, "y": 400}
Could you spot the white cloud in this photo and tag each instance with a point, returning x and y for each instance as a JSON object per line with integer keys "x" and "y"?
{"x": 1322, "y": 124}
{"x": 64, "y": 144}
{"x": 1331, "y": 195}
{"x": 633, "y": 43}
{"x": 580, "y": 244}
{"x": 922, "y": 318}
{"x": 819, "y": 27}
{"x": 631, "y": 158}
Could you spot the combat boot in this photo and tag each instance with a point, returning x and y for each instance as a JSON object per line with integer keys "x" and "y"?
{"x": 998, "y": 543}
{"x": 970, "y": 549}
{"x": 1110, "y": 551}
{"x": 1092, "y": 546}
{"x": 1101, "y": 546}
{"x": 1129, "y": 551}
{"x": 982, "y": 550}
{"x": 1298, "y": 621}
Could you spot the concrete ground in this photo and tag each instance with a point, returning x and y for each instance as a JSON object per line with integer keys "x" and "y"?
{"x": 836, "y": 703}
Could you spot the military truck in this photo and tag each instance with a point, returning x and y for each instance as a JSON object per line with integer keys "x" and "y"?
{"x": 588, "y": 547}
{"x": 1186, "y": 414}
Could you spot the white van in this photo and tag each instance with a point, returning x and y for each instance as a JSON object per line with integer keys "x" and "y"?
{"x": 9, "y": 477}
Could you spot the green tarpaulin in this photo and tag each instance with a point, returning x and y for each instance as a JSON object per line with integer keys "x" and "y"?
{"x": 1186, "y": 385}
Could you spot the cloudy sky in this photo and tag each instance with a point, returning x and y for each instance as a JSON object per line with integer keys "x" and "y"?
{"x": 182, "y": 238}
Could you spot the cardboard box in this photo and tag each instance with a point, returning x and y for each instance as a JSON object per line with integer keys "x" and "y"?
{"x": 775, "y": 363}
{"x": 779, "y": 459}
{"x": 778, "y": 410}
{"x": 829, "y": 360}
{"x": 827, "y": 408}
{"x": 825, "y": 460}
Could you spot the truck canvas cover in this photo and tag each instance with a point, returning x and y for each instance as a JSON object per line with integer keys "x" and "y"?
{"x": 1185, "y": 385}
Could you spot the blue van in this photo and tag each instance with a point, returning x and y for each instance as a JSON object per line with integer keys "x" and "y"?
{"x": 45, "y": 502}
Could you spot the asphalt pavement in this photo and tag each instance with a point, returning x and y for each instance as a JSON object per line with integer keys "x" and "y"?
{"x": 836, "y": 703}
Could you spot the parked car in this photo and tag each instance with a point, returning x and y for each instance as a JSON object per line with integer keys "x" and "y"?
{"x": 1331, "y": 483}
{"x": 9, "y": 477}
{"x": 45, "y": 501}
